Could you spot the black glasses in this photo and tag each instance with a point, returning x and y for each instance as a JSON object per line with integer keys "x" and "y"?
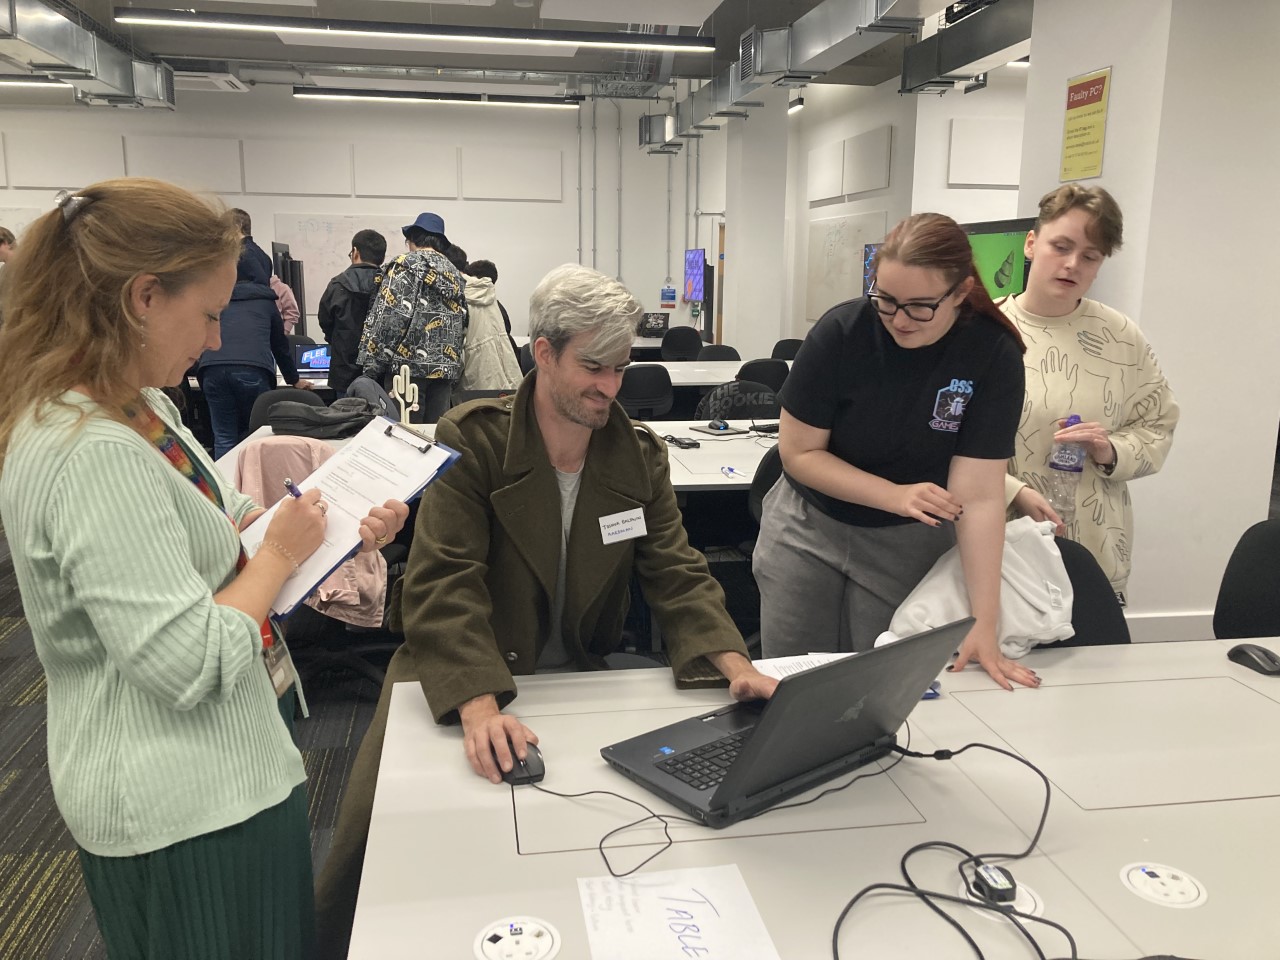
{"x": 919, "y": 312}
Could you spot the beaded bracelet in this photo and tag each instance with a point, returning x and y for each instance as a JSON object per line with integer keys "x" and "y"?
{"x": 277, "y": 547}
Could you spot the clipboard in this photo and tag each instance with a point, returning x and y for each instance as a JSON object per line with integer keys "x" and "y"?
{"x": 384, "y": 461}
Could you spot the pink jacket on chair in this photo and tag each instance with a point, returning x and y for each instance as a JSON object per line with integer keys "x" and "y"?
{"x": 356, "y": 592}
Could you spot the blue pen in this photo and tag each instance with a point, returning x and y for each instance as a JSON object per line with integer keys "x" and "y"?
{"x": 730, "y": 472}
{"x": 292, "y": 487}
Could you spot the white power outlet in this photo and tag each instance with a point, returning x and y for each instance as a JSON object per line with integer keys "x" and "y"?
{"x": 517, "y": 938}
{"x": 1164, "y": 885}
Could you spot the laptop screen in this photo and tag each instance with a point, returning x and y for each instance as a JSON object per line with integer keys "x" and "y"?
{"x": 311, "y": 358}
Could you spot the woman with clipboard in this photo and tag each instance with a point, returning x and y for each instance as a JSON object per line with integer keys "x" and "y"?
{"x": 172, "y": 762}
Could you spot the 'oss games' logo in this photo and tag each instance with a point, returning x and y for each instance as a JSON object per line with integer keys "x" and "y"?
{"x": 948, "y": 409}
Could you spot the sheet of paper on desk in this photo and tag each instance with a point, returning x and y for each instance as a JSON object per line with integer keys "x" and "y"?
{"x": 785, "y": 666}
{"x": 382, "y": 462}
{"x": 676, "y": 914}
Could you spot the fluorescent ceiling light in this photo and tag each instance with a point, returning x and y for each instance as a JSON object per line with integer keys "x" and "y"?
{"x": 796, "y": 105}
{"x": 429, "y": 96}
{"x": 1024, "y": 62}
{"x": 19, "y": 81}
{"x": 137, "y": 16}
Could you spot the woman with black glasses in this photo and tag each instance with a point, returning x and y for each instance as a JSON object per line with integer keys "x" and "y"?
{"x": 897, "y": 421}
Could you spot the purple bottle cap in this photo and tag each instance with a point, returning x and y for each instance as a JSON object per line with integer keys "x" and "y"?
{"x": 1073, "y": 420}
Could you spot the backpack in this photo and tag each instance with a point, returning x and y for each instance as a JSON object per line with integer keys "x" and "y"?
{"x": 345, "y": 417}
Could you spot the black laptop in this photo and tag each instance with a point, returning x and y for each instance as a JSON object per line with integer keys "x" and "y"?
{"x": 738, "y": 761}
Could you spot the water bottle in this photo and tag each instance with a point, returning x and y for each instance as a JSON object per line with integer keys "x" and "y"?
{"x": 1066, "y": 463}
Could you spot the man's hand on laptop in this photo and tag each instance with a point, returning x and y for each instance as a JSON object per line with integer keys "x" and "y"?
{"x": 745, "y": 681}
{"x": 493, "y": 739}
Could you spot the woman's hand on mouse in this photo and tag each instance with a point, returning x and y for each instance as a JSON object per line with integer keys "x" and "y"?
{"x": 494, "y": 741}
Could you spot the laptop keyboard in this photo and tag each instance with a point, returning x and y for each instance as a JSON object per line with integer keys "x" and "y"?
{"x": 704, "y": 767}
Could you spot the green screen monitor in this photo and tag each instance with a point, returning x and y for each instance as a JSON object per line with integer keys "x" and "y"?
{"x": 997, "y": 250}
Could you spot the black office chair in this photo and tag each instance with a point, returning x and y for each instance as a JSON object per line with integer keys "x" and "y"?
{"x": 525, "y": 358}
{"x": 739, "y": 400}
{"x": 1249, "y": 597}
{"x": 718, "y": 351}
{"x": 768, "y": 472}
{"x": 297, "y": 338}
{"x": 1096, "y": 615}
{"x": 318, "y": 642}
{"x": 681, "y": 343}
{"x": 786, "y": 349}
{"x": 260, "y": 415}
{"x": 772, "y": 373}
{"x": 646, "y": 392}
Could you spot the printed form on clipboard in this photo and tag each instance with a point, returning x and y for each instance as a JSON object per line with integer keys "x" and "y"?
{"x": 384, "y": 461}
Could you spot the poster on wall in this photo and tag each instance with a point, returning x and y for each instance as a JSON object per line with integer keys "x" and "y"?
{"x": 1085, "y": 128}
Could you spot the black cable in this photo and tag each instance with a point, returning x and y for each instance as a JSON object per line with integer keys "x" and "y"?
{"x": 843, "y": 786}
{"x": 665, "y": 818}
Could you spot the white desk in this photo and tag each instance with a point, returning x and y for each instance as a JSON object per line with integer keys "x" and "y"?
{"x": 690, "y": 469}
{"x": 1160, "y": 753}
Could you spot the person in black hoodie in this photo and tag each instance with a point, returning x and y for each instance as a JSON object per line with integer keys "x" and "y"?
{"x": 345, "y": 304}
{"x": 244, "y": 366}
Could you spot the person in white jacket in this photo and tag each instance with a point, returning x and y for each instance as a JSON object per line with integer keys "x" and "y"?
{"x": 1083, "y": 357}
{"x": 488, "y": 363}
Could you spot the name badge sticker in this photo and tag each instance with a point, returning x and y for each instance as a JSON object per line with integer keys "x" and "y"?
{"x": 627, "y": 525}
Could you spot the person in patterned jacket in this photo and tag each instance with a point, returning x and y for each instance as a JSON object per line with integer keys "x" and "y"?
{"x": 418, "y": 318}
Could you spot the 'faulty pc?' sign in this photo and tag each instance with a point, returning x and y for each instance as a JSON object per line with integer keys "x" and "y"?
{"x": 1085, "y": 127}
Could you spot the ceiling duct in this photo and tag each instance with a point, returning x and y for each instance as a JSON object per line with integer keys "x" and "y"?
{"x": 37, "y": 37}
{"x": 828, "y": 36}
{"x": 988, "y": 38}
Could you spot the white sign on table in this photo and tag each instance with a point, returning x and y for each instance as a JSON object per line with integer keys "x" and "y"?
{"x": 677, "y": 914}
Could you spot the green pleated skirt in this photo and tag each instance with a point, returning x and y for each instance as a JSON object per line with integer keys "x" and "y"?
{"x": 241, "y": 893}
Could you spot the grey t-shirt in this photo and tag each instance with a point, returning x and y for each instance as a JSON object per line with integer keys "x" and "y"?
{"x": 555, "y": 657}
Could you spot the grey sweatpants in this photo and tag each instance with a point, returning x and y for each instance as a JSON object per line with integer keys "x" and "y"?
{"x": 831, "y": 586}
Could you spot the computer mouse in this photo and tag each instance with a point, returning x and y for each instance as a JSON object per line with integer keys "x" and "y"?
{"x": 529, "y": 770}
{"x": 717, "y": 424}
{"x": 1255, "y": 657}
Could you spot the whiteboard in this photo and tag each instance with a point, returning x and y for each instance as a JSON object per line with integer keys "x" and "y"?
{"x": 826, "y": 167}
{"x": 18, "y": 219}
{"x": 491, "y": 173}
{"x": 835, "y": 258}
{"x": 66, "y": 158}
{"x": 985, "y": 151}
{"x": 312, "y": 167}
{"x": 405, "y": 169}
{"x": 322, "y": 243}
{"x": 866, "y": 161}
{"x": 203, "y": 164}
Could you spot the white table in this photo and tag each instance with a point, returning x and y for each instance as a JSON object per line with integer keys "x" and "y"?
{"x": 699, "y": 469}
{"x": 1159, "y": 752}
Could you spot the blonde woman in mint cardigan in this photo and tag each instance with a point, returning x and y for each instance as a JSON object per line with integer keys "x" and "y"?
{"x": 169, "y": 753}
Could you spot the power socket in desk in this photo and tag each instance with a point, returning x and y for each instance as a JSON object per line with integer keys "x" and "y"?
{"x": 518, "y": 938}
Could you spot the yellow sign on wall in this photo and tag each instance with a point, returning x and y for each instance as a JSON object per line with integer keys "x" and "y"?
{"x": 1085, "y": 128}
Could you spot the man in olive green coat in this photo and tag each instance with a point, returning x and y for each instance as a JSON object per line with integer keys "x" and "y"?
{"x": 523, "y": 554}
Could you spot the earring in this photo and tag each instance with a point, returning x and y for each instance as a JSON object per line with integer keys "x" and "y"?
{"x": 142, "y": 343}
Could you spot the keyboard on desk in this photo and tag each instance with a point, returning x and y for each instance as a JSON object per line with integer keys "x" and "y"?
{"x": 704, "y": 767}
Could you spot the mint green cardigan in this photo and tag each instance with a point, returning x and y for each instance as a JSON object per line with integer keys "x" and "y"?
{"x": 162, "y": 721}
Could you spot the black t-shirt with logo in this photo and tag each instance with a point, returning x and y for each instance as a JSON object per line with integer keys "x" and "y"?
{"x": 903, "y": 414}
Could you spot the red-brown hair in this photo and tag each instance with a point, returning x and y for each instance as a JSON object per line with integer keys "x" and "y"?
{"x": 936, "y": 242}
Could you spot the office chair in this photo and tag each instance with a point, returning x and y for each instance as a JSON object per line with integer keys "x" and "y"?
{"x": 718, "y": 351}
{"x": 646, "y": 392}
{"x": 1249, "y": 597}
{"x": 739, "y": 400}
{"x": 681, "y": 343}
{"x": 1096, "y": 615}
{"x": 786, "y": 349}
{"x": 525, "y": 358}
{"x": 772, "y": 373}
{"x": 297, "y": 338}
{"x": 260, "y": 415}
{"x": 767, "y": 474}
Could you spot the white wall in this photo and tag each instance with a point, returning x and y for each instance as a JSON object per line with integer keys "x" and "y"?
{"x": 831, "y": 114}
{"x": 524, "y": 238}
{"x": 1002, "y": 102}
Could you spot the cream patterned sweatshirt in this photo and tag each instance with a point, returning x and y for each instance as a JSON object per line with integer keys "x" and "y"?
{"x": 1094, "y": 362}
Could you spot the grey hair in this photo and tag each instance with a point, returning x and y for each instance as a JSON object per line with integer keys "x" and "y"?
{"x": 573, "y": 299}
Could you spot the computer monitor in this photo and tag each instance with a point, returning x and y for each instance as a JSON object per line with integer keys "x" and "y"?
{"x": 997, "y": 251}
{"x": 279, "y": 254}
{"x": 868, "y": 265}
{"x": 695, "y": 269}
{"x": 311, "y": 358}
